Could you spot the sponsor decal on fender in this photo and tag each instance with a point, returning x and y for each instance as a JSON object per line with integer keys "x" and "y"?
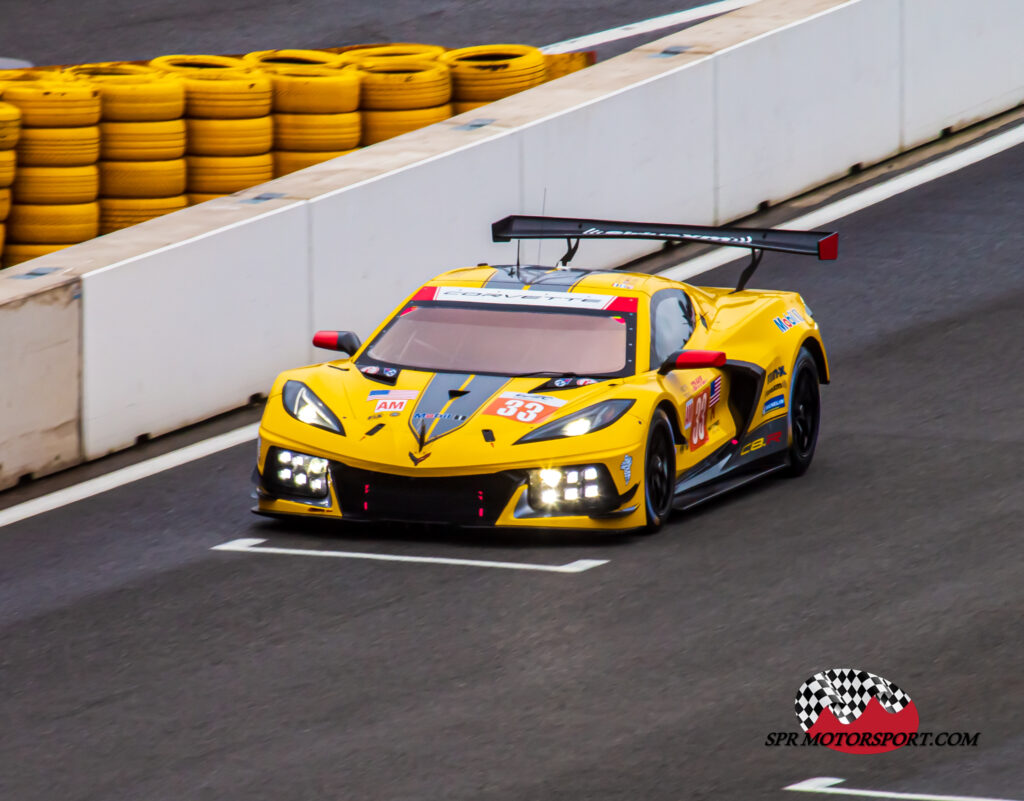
{"x": 778, "y": 372}
{"x": 788, "y": 320}
{"x": 772, "y": 404}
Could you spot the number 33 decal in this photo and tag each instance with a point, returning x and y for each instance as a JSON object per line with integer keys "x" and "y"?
{"x": 524, "y": 407}
{"x": 523, "y": 411}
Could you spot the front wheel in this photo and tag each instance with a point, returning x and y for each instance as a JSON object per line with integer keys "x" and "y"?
{"x": 804, "y": 413}
{"x": 659, "y": 471}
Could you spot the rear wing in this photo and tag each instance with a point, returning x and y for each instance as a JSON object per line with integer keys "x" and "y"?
{"x": 823, "y": 244}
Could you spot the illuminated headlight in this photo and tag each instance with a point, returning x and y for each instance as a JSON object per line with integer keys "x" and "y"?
{"x": 572, "y": 490}
{"x": 303, "y": 404}
{"x": 593, "y": 418}
{"x": 550, "y": 478}
{"x": 291, "y": 473}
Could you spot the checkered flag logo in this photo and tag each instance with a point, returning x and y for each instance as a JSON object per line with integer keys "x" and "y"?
{"x": 846, "y": 692}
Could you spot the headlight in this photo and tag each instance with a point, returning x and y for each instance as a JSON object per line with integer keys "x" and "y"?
{"x": 298, "y": 474}
{"x": 593, "y": 418}
{"x": 580, "y": 489}
{"x": 302, "y": 404}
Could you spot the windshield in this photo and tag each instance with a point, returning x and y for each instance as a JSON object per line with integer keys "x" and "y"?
{"x": 505, "y": 341}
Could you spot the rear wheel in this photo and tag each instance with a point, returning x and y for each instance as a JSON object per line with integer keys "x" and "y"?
{"x": 804, "y": 413}
{"x": 659, "y": 471}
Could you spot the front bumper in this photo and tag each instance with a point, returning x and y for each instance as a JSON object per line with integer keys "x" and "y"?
{"x": 496, "y": 499}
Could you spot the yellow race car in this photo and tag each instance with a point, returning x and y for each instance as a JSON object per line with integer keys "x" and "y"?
{"x": 537, "y": 397}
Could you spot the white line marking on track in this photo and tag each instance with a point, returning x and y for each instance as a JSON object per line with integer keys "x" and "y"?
{"x": 861, "y": 200}
{"x": 251, "y": 546}
{"x": 126, "y": 475}
{"x": 826, "y": 784}
{"x": 646, "y": 26}
{"x": 680, "y": 272}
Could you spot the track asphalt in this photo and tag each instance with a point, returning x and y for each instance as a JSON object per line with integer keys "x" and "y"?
{"x": 136, "y": 663}
{"x": 75, "y": 32}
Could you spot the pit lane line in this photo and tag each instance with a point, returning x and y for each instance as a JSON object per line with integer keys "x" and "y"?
{"x": 826, "y": 784}
{"x": 828, "y": 213}
{"x": 248, "y": 545}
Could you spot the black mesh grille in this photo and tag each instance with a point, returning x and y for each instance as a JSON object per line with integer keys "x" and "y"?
{"x": 461, "y": 500}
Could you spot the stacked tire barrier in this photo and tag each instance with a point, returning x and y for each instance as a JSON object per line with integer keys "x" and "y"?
{"x": 401, "y": 94}
{"x": 56, "y": 181}
{"x": 184, "y": 129}
{"x": 229, "y": 130}
{"x": 142, "y": 143}
{"x": 481, "y": 75}
{"x": 10, "y": 130}
{"x": 315, "y": 105}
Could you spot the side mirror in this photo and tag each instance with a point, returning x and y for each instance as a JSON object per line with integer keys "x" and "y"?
{"x": 345, "y": 341}
{"x": 692, "y": 360}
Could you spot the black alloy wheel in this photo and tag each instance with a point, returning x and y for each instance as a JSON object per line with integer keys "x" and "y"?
{"x": 659, "y": 471}
{"x": 804, "y": 413}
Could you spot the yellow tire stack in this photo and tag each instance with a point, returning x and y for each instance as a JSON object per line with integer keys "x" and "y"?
{"x": 483, "y": 74}
{"x": 230, "y": 132}
{"x": 402, "y": 94}
{"x": 10, "y": 130}
{"x": 315, "y": 103}
{"x": 53, "y": 203}
{"x": 142, "y": 143}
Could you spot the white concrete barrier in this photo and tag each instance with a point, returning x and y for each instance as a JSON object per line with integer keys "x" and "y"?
{"x": 192, "y": 329}
{"x": 186, "y": 316}
{"x": 40, "y": 373}
{"x": 961, "y": 62}
{"x": 800, "y": 105}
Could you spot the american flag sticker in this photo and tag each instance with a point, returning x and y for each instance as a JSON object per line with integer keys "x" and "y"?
{"x": 716, "y": 391}
{"x": 393, "y": 394}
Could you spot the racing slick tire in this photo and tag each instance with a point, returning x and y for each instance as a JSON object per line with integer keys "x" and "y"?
{"x": 192, "y": 63}
{"x": 7, "y": 162}
{"x": 408, "y": 51}
{"x": 391, "y": 84}
{"x": 272, "y": 59}
{"x": 248, "y": 136}
{"x": 317, "y": 132}
{"x": 56, "y": 224}
{"x": 315, "y": 90}
{"x": 10, "y": 126}
{"x": 804, "y": 413}
{"x": 227, "y": 94}
{"x": 132, "y": 93}
{"x": 164, "y": 178}
{"x": 659, "y": 472}
{"x": 59, "y": 147}
{"x": 56, "y": 184}
{"x": 54, "y": 102}
{"x": 491, "y": 72}
{"x": 155, "y": 140}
